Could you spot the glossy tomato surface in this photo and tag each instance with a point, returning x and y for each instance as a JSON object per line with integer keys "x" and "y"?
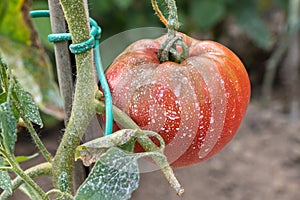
{"x": 196, "y": 106}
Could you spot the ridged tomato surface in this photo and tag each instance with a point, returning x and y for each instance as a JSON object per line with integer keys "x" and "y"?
{"x": 196, "y": 106}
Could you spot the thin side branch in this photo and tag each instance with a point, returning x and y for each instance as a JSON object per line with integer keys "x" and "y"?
{"x": 34, "y": 172}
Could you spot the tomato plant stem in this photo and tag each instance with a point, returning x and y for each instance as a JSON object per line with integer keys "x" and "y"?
{"x": 23, "y": 175}
{"x": 65, "y": 75}
{"x": 172, "y": 22}
{"x": 173, "y": 17}
{"x": 47, "y": 155}
{"x": 83, "y": 104}
{"x": 34, "y": 172}
{"x": 168, "y": 50}
{"x": 159, "y": 13}
{"x": 122, "y": 118}
{"x": 60, "y": 194}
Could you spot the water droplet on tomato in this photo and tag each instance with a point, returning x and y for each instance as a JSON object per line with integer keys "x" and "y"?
{"x": 212, "y": 120}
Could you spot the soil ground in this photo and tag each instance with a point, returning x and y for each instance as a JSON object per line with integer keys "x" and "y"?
{"x": 262, "y": 162}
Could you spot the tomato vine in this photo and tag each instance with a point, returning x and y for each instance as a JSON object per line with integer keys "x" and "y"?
{"x": 168, "y": 49}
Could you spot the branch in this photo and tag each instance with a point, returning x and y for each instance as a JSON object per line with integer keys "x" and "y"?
{"x": 23, "y": 175}
{"x": 47, "y": 155}
{"x": 83, "y": 104}
{"x": 34, "y": 172}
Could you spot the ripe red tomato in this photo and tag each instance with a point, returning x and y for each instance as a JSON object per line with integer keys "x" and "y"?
{"x": 196, "y": 106}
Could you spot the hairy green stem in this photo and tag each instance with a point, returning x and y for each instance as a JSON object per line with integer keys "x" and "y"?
{"x": 47, "y": 155}
{"x": 119, "y": 116}
{"x": 173, "y": 17}
{"x": 172, "y": 22}
{"x": 168, "y": 49}
{"x": 23, "y": 175}
{"x": 59, "y": 194}
{"x": 83, "y": 105}
{"x": 159, "y": 13}
{"x": 34, "y": 172}
{"x": 6, "y": 169}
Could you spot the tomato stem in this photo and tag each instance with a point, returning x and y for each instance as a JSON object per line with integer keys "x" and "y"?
{"x": 47, "y": 155}
{"x": 173, "y": 22}
{"x": 159, "y": 13}
{"x": 33, "y": 172}
{"x": 85, "y": 88}
{"x": 17, "y": 169}
{"x": 168, "y": 49}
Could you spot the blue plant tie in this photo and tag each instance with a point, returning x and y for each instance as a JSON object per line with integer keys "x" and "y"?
{"x": 92, "y": 42}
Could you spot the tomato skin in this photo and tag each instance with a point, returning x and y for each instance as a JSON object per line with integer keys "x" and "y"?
{"x": 196, "y": 106}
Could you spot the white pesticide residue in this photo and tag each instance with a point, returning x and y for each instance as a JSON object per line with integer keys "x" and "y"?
{"x": 212, "y": 120}
{"x": 216, "y": 88}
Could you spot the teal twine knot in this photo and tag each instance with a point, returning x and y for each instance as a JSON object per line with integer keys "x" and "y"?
{"x": 92, "y": 42}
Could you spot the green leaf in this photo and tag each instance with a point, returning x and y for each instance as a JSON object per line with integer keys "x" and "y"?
{"x": 5, "y": 182}
{"x": 3, "y": 75}
{"x": 9, "y": 127}
{"x": 129, "y": 146}
{"x": 27, "y": 104}
{"x": 207, "y": 13}
{"x": 32, "y": 69}
{"x": 117, "y": 161}
{"x": 63, "y": 182}
{"x": 20, "y": 159}
{"x": 14, "y": 23}
{"x": 24, "y": 99}
{"x": 114, "y": 176}
{"x": 91, "y": 151}
{"x": 3, "y": 97}
{"x": 21, "y": 49}
{"x": 248, "y": 18}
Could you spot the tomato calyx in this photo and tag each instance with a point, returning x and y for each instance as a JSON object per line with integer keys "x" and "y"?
{"x": 173, "y": 48}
